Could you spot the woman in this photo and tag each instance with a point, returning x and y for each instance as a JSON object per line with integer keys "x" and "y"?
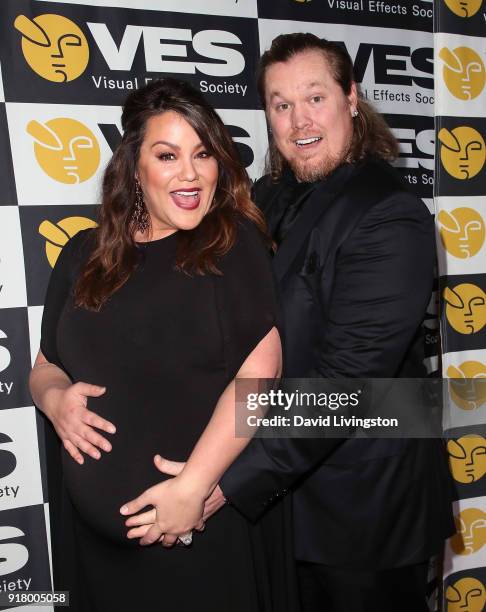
{"x": 152, "y": 316}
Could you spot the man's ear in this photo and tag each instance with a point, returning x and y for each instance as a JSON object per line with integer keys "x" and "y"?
{"x": 353, "y": 97}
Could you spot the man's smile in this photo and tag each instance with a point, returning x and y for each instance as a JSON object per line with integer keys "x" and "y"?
{"x": 305, "y": 142}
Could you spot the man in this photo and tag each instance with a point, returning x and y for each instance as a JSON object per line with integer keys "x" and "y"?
{"x": 355, "y": 269}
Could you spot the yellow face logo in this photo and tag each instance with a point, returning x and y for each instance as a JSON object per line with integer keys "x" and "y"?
{"x": 53, "y": 46}
{"x": 464, "y": 8}
{"x": 467, "y": 458}
{"x": 468, "y": 384}
{"x": 464, "y": 72}
{"x": 466, "y": 595}
{"x": 462, "y": 231}
{"x": 65, "y": 149}
{"x": 463, "y": 152}
{"x": 58, "y": 234}
{"x": 466, "y": 308}
{"x": 471, "y": 532}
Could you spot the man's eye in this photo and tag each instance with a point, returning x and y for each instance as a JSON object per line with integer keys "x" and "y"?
{"x": 317, "y": 98}
{"x": 282, "y": 107}
{"x": 166, "y": 156}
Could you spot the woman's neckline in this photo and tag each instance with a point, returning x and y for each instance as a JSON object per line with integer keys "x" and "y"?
{"x": 156, "y": 240}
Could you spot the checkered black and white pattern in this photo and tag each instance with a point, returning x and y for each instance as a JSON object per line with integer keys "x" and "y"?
{"x": 215, "y": 45}
{"x": 460, "y": 33}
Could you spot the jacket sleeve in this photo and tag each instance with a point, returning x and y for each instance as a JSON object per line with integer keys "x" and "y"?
{"x": 383, "y": 277}
{"x": 383, "y": 280}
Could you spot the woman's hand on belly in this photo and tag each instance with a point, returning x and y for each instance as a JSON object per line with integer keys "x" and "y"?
{"x": 141, "y": 523}
{"x": 75, "y": 424}
{"x": 178, "y": 508}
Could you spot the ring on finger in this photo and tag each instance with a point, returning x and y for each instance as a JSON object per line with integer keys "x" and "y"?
{"x": 186, "y": 538}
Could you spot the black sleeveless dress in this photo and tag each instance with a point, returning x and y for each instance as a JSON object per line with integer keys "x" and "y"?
{"x": 165, "y": 346}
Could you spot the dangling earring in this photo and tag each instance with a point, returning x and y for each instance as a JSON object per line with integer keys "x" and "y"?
{"x": 140, "y": 215}
{"x": 355, "y": 113}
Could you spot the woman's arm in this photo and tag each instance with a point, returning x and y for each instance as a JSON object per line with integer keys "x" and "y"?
{"x": 179, "y": 502}
{"x": 218, "y": 447}
{"x": 65, "y": 405}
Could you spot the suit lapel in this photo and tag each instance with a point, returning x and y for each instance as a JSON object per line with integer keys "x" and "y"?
{"x": 320, "y": 203}
{"x": 274, "y": 219}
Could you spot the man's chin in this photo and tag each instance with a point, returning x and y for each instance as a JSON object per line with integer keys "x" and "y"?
{"x": 310, "y": 171}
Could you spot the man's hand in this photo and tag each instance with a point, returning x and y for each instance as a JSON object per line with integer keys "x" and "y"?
{"x": 213, "y": 503}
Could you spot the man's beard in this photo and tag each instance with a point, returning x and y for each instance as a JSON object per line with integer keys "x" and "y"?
{"x": 316, "y": 169}
{"x": 312, "y": 170}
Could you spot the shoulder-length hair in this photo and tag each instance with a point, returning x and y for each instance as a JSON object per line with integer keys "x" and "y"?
{"x": 371, "y": 134}
{"x": 115, "y": 256}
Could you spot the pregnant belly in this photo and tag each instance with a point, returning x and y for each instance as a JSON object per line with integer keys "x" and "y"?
{"x": 98, "y": 488}
{"x": 150, "y": 419}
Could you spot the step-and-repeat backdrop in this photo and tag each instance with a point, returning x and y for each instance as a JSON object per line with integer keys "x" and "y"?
{"x": 460, "y": 190}
{"x": 66, "y": 68}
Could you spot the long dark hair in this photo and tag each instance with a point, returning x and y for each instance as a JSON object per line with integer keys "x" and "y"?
{"x": 371, "y": 134}
{"x": 115, "y": 255}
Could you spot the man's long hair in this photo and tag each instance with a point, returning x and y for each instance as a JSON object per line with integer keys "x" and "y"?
{"x": 371, "y": 134}
{"x": 115, "y": 254}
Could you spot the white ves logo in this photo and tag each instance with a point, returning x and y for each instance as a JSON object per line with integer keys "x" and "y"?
{"x": 423, "y": 155}
{"x": 12, "y": 556}
{"x": 206, "y": 43}
{"x": 5, "y": 357}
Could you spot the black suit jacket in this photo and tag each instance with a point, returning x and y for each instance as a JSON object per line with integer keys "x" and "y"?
{"x": 355, "y": 275}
